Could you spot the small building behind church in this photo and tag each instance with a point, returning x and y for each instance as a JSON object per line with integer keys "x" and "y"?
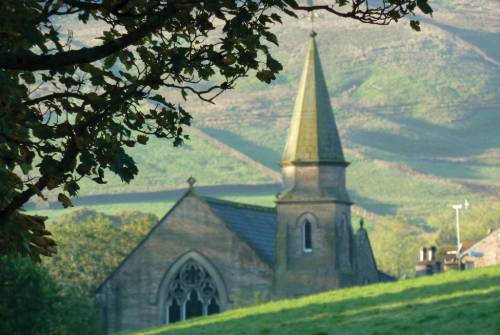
{"x": 428, "y": 263}
{"x": 208, "y": 255}
{"x": 485, "y": 252}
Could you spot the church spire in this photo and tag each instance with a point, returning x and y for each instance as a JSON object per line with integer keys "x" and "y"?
{"x": 313, "y": 164}
{"x": 314, "y": 233}
{"x": 313, "y": 136}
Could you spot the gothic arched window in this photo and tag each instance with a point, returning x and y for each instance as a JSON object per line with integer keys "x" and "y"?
{"x": 191, "y": 293}
{"x": 307, "y": 236}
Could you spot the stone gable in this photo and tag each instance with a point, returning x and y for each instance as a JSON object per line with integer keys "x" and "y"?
{"x": 131, "y": 295}
{"x": 486, "y": 252}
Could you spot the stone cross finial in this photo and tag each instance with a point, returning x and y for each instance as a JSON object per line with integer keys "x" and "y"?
{"x": 191, "y": 181}
{"x": 311, "y": 15}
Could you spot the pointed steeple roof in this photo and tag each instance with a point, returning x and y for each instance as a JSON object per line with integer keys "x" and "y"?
{"x": 313, "y": 136}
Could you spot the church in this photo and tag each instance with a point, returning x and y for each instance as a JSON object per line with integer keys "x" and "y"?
{"x": 208, "y": 255}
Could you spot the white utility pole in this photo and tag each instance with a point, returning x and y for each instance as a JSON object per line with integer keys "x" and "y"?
{"x": 457, "y": 209}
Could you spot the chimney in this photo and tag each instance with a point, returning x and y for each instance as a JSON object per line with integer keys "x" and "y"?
{"x": 432, "y": 254}
{"x": 423, "y": 254}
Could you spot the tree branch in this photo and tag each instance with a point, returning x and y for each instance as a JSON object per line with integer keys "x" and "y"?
{"x": 55, "y": 96}
{"x": 33, "y": 62}
{"x": 320, "y": 7}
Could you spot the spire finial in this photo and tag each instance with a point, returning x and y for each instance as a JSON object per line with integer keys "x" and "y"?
{"x": 311, "y": 18}
{"x": 191, "y": 181}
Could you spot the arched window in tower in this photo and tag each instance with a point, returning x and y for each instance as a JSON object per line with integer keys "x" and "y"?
{"x": 191, "y": 293}
{"x": 307, "y": 236}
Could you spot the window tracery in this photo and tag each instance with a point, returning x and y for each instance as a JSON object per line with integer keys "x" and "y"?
{"x": 191, "y": 293}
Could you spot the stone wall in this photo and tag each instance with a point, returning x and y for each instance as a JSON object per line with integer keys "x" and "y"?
{"x": 132, "y": 297}
{"x": 490, "y": 249}
{"x": 298, "y": 272}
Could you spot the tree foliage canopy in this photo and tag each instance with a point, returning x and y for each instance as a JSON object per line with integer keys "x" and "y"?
{"x": 92, "y": 245}
{"x": 68, "y": 112}
{"x": 31, "y": 302}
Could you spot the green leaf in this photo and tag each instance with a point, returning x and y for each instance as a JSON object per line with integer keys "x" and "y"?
{"x": 43, "y": 132}
{"x": 82, "y": 142}
{"x": 265, "y": 76}
{"x": 53, "y": 182}
{"x": 424, "y": 6}
{"x": 26, "y": 155}
{"x": 142, "y": 139}
{"x": 123, "y": 165}
{"x": 99, "y": 180}
{"x": 275, "y": 17}
{"x": 28, "y": 77}
{"x": 129, "y": 143}
{"x": 64, "y": 200}
{"x": 415, "y": 25}
{"x": 273, "y": 64}
{"x": 48, "y": 166}
{"x": 64, "y": 129}
{"x": 71, "y": 187}
{"x": 110, "y": 61}
{"x": 271, "y": 37}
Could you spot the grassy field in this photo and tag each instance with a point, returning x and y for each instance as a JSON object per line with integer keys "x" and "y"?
{"x": 418, "y": 113}
{"x": 452, "y": 303}
{"x": 392, "y": 185}
{"x": 161, "y": 166}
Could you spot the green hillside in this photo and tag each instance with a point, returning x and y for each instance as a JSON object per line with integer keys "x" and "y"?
{"x": 162, "y": 166}
{"x": 451, "y": 303}
{"x": 418, "y": 113}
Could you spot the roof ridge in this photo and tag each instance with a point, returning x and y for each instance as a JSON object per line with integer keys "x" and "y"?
{"x": 240, "y": 204}
{"x": 480, "y": 240}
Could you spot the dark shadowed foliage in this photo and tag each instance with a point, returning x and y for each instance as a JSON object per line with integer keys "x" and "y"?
{"x": 31, "y": 302}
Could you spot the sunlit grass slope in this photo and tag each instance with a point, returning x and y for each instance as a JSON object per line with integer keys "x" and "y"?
{"x": 452, "y": 303}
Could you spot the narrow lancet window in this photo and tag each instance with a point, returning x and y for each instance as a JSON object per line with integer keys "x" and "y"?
{"x": 307, "y": 236}
{"x": 213, "y": 307}
{"x": 194, "y": 306}
{"x": 174, "y": 311}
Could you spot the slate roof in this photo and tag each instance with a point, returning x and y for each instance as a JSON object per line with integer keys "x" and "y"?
{"x": 255, "y": 225}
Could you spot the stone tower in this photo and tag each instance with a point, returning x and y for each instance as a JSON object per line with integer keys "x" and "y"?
{"x": 314, "y": 242}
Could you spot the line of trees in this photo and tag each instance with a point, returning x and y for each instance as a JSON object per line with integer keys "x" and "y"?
{"x": 56, "y": 297}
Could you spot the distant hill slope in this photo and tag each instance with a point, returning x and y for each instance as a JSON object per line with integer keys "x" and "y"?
{"x": 419, "y": 113}
{"x": 465, "y": 302}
